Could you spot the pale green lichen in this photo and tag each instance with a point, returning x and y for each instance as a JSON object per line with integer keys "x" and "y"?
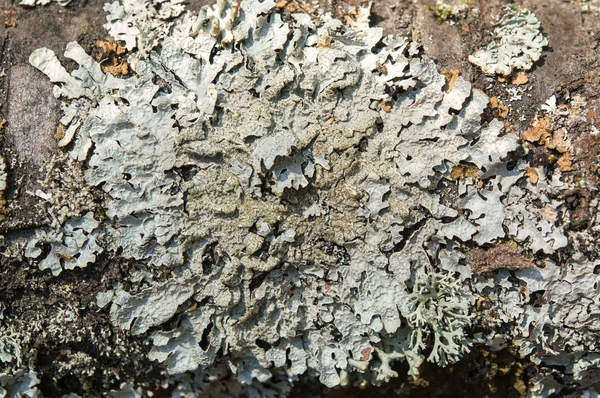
{"x": 247, "y": 153}
{"x": 74, "y": 245}
{"x": 449, "y": 9}
{"x": 518, "y": 44}
{"x": 282, "y": 188}
{"x": 439, "y": 305}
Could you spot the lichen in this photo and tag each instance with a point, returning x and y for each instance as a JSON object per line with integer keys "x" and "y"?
{"x": 518, "y": 45}
{"x": 298, "y": 134}
{"x": 19, "y": 384}
{"x": 283, "y": 188}
{"x": 439, "y": 305}
{"x": 73, "y": 245}
{"x": 449, "y": 10}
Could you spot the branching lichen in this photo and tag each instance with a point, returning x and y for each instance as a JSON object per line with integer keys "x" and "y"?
{"x": 439, "y": 305}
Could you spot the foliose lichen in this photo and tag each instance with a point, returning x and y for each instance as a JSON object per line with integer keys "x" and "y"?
{"x": 518, "y": 45}
{"x": 284, "y": 187}
{"x": 19, "y": 384}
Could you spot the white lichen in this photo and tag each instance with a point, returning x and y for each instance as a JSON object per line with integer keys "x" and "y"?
{"x": 288, "y": 181}
{"x": 518, "y": 44}
{"x": 76, "y": 244}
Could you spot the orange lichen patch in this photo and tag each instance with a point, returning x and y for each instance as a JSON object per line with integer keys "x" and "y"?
{"x": 520, "y": 79}
{"x": 461, "y": 172}
{"x": 117, "y": 68}
{"x": 565, "y": 162}
{"x": 10, "y": 17}
{"x": 294, "y": 6}
{"x": 358, "y": 18}
{"x": 366, "y": 354}
{"x": 532, "y": 175}
{"x": 541, "y": 129}
{"x": 2, "y": 124}
{"x": 559, "y": 141}
{"x": 541, "y": 132}
{"x": 484, "y": 262}
{"x": 451, "y": 76}
{"x": 386, "y": 105}
{"x": 326, "y": 43}
{"x": 501, "y": 109}
{"x": 60, "y": 132}
{"x": 110, "y": 47}
{"x": 110, "y": 58}
{"x": 381, "y": 68}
